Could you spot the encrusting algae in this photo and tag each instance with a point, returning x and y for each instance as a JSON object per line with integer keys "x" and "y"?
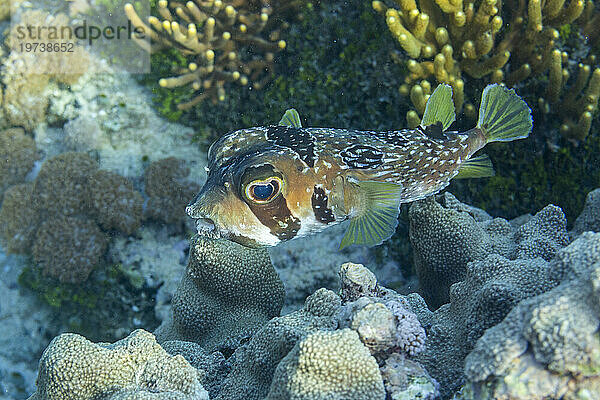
{"x": 225, "y": 41}
{"x": 499, "y": 42}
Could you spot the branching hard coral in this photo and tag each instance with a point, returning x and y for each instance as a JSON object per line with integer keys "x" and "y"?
{"x": 68, "y": 248}
{"x": 113, "y": 201}
{"x": 227, "y": 293}
{"x": 223, "y": 40}
{"x": 18, "y": 154}
{"x": 169, "y": 190}
{"x": 73, "y": 368}
{"x": 498, "y": 42}
{"x": 328, "y": 366}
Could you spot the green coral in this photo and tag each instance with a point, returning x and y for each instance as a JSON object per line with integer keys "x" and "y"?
{"x": 548, "y": 345}
{"x": 254, "y": 363}
{"x": 102, "y": 308}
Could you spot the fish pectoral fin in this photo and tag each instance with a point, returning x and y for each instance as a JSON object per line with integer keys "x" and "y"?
{"x": 291, "y": 118}
{"x": 476, "y": 167}
{"x": 439, "y": 108}
{"x": 379, "y": 219}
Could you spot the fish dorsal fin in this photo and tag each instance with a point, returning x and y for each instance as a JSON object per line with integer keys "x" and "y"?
{"x": 291, "y": 118}
{"x": 476, "y": 167}
{"x": 379, "y": 219}
{"x": 439, "y": 108}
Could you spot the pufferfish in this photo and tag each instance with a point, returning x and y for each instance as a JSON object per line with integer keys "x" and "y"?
{"x": 267, "y": 185}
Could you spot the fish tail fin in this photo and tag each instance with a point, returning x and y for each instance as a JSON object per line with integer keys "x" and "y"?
{"x": 378, "y": 221}
{"x": 503, "y": 115}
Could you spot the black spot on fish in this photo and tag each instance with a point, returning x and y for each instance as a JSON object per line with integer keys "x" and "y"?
{"x": 319, "y": 205}
{"x": 360, "y": 156}
{"x": 277, "y": 217}
{"x": 434, "y": 131}
{"x": 296, "y": 139}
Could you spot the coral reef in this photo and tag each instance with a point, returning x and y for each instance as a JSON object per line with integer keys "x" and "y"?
{"x": 445, "y": 240}
{"x": 56, "y": 217}
{"x": 222, "y": 41}
{"x": 255, "y": 362}
{"x": 17, "y": 223}
{"x": 133, "y": 368}
{"x": 227, "y": 293}
{"x": 112, "y": 117}
{"x": 498, "y": 42}
{"x": 547, "y": 346}
{"x": 536, "y": 301}
{"x": 407, "y": 379}
{"x": 60, "y": 186}
{"x": 481, "y": 299}
{"x": 589, "y": 219}
{"x": 214, "y": 364}
{"x": 168, "y": 190}
{"x": 318, "y": 66}
{"x": 18, "y": 154}
{"x": 140, "y": 255}
{"x": 304, "y": 267}
{"x": 113, "y": 202}
{"x": 68, "y": 248}
{"x": 328, "y": 365}
{"x": 26, "y": 76}
{"x": 383, "y": 319}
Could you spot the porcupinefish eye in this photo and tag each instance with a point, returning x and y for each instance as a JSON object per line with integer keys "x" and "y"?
{"x": 263, "y": 191}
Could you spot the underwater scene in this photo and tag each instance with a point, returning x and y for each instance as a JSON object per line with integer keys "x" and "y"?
{"x": 299, "y": 200}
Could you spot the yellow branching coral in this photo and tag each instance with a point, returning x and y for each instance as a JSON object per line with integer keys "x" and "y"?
{"x": 224, "y": 40}
{"x": 495, "y": 41}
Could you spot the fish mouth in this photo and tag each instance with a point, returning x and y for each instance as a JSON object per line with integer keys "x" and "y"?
{"x": 207, "y": 227}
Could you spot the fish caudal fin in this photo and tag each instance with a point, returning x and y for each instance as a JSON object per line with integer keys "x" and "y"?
{"x": 439, "y": 108}
{"x": 476, "y": 167}
{"x": 503, "y": 115}
{"x": 379, "y": 219}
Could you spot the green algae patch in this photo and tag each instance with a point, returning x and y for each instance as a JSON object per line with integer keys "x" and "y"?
{"x": 113, "y": 301}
